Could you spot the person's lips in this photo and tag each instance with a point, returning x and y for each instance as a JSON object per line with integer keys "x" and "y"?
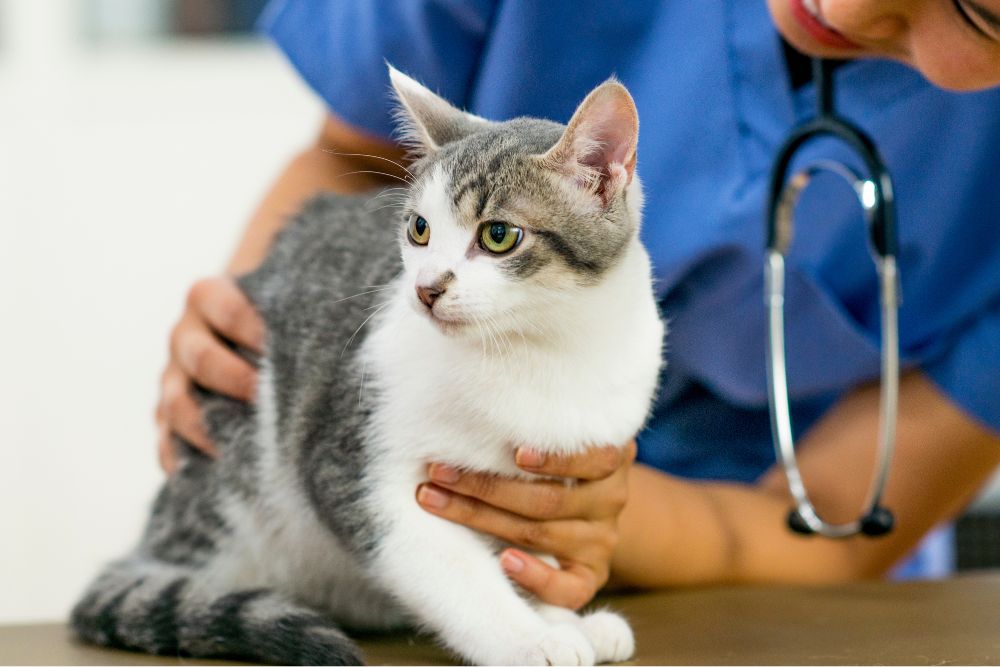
{"x": 809, "y": 16}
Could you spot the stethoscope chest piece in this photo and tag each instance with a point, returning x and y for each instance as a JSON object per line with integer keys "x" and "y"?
{"x": 875, "y": 196}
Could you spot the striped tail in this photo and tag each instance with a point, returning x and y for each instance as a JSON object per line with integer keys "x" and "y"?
{"x": 152, "y": 607}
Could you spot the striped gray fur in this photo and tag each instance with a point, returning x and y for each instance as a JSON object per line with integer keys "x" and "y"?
{"x": 494, "y": 177}
{"x": 197, "y": 584}
{"x": 154, "y": 600}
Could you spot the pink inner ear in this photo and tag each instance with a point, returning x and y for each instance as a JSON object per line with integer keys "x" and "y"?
{"x": 606, "y": 134}
{"x": 605, "y": 142}
{"x": 611, "y": 129}
{"x": 598, "y": 148}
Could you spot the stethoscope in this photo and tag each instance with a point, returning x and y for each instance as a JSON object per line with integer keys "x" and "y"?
{"x": 875, "y": 195}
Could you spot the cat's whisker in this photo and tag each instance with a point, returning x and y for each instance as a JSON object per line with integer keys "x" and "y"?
{"x": 485, "y": 325}
{"x": 501, "y": 336}
{"x": 355, "y": 296}
{"x": 520, "y": 320}
{"x": 519, "y": 330}
{"x": 394, "y": 198}
{"x": 377, "y": 157}
{"x": 361, "y": 387}
{"x": 376, "y": 210}
{"x": 482, "y": 330}
{"x": 396, "y": 191}
{"x": 376, "y": 172}
{"x": 504, "y": 338}
{"x": 379, "y": 305}
{"x": 356, "y": 331}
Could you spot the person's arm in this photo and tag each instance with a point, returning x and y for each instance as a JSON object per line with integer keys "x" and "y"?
{"x": 342, "y": 159}
{"x": 675, "y": 532}
{"x": 735, "y": 533}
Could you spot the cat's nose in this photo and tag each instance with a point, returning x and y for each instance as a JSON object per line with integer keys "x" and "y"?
{"x": 428, "y": 294}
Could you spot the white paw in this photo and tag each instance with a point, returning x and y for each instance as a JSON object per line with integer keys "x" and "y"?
{"x": 560, "y": 644}
{"x": 610, "y": 636}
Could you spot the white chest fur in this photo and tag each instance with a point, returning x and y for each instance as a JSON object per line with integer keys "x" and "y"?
{"x": 589, "y": 382}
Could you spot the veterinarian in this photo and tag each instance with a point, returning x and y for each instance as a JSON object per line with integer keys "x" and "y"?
{"x": 717, "y": 86}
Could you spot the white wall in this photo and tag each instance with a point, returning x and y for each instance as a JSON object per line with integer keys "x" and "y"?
{"x": 125, "y": 173}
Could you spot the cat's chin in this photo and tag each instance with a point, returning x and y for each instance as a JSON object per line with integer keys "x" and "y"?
{"x": 447, "y": 326}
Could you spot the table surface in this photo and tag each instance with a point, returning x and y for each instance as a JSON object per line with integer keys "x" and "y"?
{"x": 916, "y": 623}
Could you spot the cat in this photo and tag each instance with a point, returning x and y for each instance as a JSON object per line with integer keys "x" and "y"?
{"x": 506, "y": 300}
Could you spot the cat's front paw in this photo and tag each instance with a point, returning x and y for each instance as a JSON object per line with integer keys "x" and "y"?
{"x": 610, "y": 636}
{"x": 560, "y": 644}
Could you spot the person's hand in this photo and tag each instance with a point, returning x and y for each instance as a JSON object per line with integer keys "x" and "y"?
{"x": 216, "y": 311}
{"x": 575, "y": 522}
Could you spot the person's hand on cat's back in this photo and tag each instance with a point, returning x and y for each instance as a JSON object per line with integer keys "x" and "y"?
{"x": 576, "y": 523}
{"x": 215, "y": 311}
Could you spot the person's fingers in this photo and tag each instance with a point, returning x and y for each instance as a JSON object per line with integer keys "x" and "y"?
{"x": 212, "y": 365}
{"x": 535, "y": 499}
{"x": 572, "y": 586}
{"x": 555, "y": 537}
{"x": 228, "y": 311}
{"x": 180, "y": 413}
{"x": 594, "y": 463}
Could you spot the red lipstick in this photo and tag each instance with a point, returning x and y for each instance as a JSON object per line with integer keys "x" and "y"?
{"x": 819, "y": 31}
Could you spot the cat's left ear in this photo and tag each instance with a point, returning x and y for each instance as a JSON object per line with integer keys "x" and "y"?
{"x": 427, "y": 121}
{"x": 598, "y": 149}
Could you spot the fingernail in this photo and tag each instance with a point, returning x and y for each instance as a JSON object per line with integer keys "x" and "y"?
{"x": 444, "y": 474}
{"x": 433, "y": 497}
{"x": 511, "y": 562}
{"x": 529, "y": 458}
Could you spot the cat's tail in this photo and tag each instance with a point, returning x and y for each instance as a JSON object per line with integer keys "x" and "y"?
{"x": 150, "y": 606}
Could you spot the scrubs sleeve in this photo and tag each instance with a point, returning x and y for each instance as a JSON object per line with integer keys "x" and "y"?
{"x": 969, "y": 370}
{"x": 341, "y": 47}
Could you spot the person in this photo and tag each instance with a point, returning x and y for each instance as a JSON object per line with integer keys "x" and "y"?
{"x": 717, "y": 85}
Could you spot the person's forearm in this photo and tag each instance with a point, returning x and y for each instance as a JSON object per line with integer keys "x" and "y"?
{"x": 677, "y": 532}
{"x": 340, "y": 161}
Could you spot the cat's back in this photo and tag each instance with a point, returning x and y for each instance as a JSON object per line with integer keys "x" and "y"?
{"x": 328, "y": 273}
{"x": 336, "y": 250}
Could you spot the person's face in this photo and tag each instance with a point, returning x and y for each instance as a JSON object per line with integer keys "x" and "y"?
{"x": 954, "y": 43}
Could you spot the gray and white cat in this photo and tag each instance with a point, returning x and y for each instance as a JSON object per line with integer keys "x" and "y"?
{"x": 522, "y": 313}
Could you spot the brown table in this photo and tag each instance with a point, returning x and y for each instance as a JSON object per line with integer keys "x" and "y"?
{"x": 920, "y": 623}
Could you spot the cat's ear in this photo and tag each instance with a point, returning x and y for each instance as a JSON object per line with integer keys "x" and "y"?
{"x": 427, "y": 121}
{"x": 597, "y": 150}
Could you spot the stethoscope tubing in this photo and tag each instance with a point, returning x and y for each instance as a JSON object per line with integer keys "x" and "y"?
{"x": 875, "y": 195}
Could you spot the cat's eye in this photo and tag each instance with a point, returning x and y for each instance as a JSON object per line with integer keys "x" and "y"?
{"x": 418, "y": 230}
{"x": 499, "y": 237}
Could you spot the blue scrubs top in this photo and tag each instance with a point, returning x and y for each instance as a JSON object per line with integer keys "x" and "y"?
{"x": 715, "y": 102}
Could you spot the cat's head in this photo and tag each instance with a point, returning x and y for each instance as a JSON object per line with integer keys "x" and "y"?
{"x": 505, "y": 222}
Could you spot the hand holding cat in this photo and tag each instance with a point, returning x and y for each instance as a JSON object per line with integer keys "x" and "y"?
{"x": 215, "y": 311}
{"x": 577, "y": 523}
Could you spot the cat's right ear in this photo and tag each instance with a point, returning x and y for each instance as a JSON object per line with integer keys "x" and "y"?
{"x": 597, "y": 150}
{"x": 427, "y": 121}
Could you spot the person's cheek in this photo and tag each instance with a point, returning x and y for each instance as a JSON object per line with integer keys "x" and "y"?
{"x": 951, "y": 56}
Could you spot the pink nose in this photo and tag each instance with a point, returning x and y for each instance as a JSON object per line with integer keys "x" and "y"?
{"x": 428, "y": 294}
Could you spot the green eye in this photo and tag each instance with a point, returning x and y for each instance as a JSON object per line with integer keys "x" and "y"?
{"x": 499, "y": 237}
{"x": 419, "y": 230}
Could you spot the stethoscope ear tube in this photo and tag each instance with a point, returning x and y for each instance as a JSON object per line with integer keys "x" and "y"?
{"x": 875, "y": 195}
